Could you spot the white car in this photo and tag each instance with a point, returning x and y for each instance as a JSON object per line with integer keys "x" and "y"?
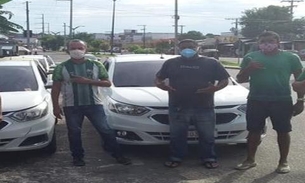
{"x": 28, "y": 120}
{"x": 138, "y": 111}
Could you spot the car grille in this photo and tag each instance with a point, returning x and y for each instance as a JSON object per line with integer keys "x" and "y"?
{"x": 5, "y": 141}
{"x": 3, "y": 124}
{"x": 165, "y": 136}
{"x": 221, "y": 118}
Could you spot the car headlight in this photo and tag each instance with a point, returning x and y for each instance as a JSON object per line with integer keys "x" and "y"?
{"x": 36, "y": 112}
{"x": 126, "y": 109}
{"x": 242, "y": 108}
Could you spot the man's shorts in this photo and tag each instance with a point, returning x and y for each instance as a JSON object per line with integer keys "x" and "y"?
{"x": 280, "y": 113}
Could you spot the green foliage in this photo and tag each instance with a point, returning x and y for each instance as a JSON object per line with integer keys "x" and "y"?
{"x": 4, "y": 1}
{"x": 7, "y": 26}
{"x": 53, "y": 42}
{"x": 163, "y": 46}
{"x": 209, "y": 35}
{"x": 192, "y": 35}
{"x": 144, "y": 51}
{"x": 132, "y": 48}
{"x": 88, "y": 38}
{"x": 273, "y": 18}
{"x": 105, "y": 46}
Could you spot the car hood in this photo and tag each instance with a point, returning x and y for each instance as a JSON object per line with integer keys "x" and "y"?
{"x": 153, "y": 96}
{"x": 15, "y": 101}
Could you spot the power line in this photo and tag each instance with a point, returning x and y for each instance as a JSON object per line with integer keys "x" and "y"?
{"x": 236, "y": 24}
{"x": 292, "y": 4}
{"x": 144, "y": 31}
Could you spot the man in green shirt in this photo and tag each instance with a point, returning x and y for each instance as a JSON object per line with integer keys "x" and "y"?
{"x": 268, "y": 72}
{"x": 78, "y": 79}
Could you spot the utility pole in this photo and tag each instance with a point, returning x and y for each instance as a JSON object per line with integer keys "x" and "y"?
{"x": 27, "y": 25}
{"x": 48, "y": 28}
{"x": 181, "y": 29}
{"x": 71, "y": 17}
{"x": 112, "y": 28}
{"x": 176, "y": 16}
{"x": 236, "y": 25}
{"x": 65, "y": 38}
{"x": 292, "y": 5}
{"x": 144, "y": 36}
{"x": 42, "y": 24}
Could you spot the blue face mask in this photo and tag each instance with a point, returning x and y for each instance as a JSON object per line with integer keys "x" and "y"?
{"x": 188, "y": 53}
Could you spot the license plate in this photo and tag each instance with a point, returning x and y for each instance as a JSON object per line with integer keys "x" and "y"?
{"x": 194, "y": 134}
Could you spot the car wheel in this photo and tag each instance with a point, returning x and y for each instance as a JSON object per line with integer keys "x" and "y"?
{"x": 52, "y": 147}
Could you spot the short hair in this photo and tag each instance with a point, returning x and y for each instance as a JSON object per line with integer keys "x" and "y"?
{"x": 77, "y": 41}
{"x": 188, "y": 41}
{"x": 271, "y": 34}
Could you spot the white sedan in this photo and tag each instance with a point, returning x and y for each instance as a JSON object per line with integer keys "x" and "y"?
{"x": 138, "y": 111}
{"x": 28, "y": 120}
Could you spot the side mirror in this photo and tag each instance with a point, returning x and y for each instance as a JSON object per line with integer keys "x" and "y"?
{"x": 48, "y": 85}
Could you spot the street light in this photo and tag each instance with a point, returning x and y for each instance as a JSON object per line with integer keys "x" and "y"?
{"x": 74, "y": 28}
{"x": 112, "y": 29}
{"x": 71, "y": 16}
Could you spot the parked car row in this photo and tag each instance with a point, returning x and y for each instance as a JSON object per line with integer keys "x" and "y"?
{"x": 28, "y": 121}
{"x": 136, "y": 109}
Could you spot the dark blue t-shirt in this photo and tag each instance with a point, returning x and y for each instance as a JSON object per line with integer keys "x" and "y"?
{"x": 189, "y": 75}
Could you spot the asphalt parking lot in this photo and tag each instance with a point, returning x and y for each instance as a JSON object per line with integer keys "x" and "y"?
{"x": 147, "y": 167}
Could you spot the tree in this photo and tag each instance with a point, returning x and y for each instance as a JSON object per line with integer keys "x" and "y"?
{"x": 273, "y": 18}
{"x": 163, "y": 46}
{"x": 7, "y": 26}
{"x": 88, "y": 38}
{"x": 53, "y": 42}
{"x": 192, "y": 35}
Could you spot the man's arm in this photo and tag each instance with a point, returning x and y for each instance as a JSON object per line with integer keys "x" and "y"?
{"x": 214, "y": 88}
{"x": 299, "y": 105}
{"x": 244, "y": 74}
{"x": 55, "y": 97}
{"x": 83, "y": 80}
{"x": 160, "y": 83}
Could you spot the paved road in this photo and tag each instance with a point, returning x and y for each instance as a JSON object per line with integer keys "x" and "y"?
{"x": 34, "y": 167}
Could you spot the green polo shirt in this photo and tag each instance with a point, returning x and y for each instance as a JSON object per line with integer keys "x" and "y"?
{"x": 273, "y": 82}
{"x": 79, "y": 94}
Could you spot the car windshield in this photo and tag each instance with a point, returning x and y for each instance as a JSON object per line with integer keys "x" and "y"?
{"x": 136, "y": 74}
{"x": 17, "y": 78}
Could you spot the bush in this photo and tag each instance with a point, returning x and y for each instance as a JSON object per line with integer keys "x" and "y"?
{"x": 145, "y": 51}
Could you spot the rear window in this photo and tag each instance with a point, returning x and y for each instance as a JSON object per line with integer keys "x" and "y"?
{"x": 17, "y": 78}
{"x": 136, "y": 74}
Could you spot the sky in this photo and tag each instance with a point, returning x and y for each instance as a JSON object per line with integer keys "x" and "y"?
{"x": 95, "y": 16}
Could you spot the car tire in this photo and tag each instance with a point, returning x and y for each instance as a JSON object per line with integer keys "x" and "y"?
{"x": 52, "y": 147}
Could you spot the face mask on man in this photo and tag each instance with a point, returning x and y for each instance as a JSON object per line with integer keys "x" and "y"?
{"x": 188, "y": 53}
{"x": 268, "y": 47}
{"x": 77, "y": 54}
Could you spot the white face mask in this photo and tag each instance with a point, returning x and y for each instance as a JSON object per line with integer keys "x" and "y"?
{"x": 77, "y": 54}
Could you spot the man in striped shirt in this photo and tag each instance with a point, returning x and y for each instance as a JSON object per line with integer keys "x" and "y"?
{"x": 78, "y": 80}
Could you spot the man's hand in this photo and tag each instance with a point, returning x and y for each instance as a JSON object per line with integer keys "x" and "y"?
{"x": 298, "y": 108}
{"x": 57, "y": 112}
{"x": 253, "y": 65}
{"x": 161, "y": 84}
{"x": 298, "y": 86}
{"x": 80, "y": 80}
{"x": 210, "y": 89}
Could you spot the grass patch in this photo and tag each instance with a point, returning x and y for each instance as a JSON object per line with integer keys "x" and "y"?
{"x": 228, "y": 63}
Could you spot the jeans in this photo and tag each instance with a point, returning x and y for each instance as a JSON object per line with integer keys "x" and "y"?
{"x": 204, "y": 120}
{"x": 95, "y": 113}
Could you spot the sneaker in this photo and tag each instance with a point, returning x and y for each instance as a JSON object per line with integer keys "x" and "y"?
{"x": 123, "y": 160}
{"x": 283, "y": 168}
{"x": 78, "y": 162}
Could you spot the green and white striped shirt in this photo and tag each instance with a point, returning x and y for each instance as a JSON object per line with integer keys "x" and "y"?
{"x": 79, "y": 94}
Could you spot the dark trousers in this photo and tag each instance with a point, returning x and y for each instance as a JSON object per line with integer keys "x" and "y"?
{"x": 95, "y": 113}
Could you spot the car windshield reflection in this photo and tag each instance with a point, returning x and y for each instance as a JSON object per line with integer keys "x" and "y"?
{"x": 17, "y": 78}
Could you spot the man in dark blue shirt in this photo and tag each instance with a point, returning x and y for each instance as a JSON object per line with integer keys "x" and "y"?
{"x": 193, "y": 80}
